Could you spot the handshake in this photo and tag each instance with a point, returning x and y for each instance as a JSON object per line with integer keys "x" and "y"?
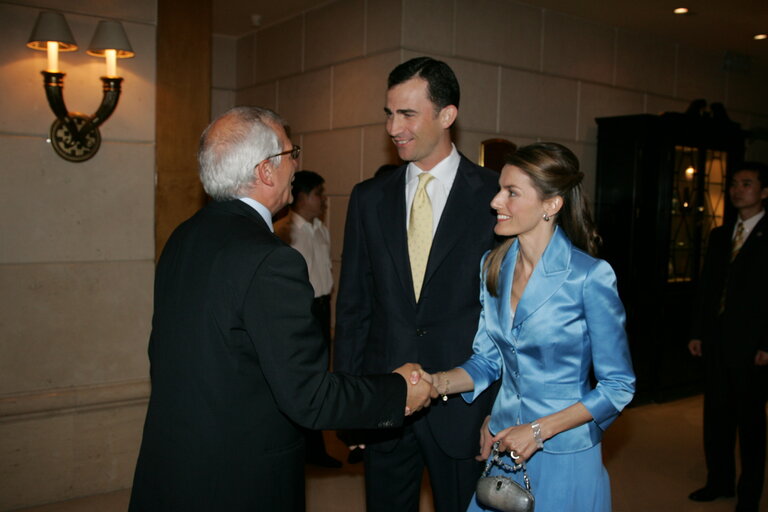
{"x": 421, "y": 390}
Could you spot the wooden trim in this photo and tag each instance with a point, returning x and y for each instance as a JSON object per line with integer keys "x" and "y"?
{"x": 183, "y": 109}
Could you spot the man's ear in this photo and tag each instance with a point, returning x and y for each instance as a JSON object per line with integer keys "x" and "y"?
{"x": 448, "y": 115}
{"x": 264, "y": 172}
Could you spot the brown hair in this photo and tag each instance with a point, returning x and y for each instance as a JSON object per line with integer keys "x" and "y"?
{"x": 554, "y": 171}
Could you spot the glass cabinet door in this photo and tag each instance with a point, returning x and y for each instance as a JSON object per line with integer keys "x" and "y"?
{"x": 697, "y": 206}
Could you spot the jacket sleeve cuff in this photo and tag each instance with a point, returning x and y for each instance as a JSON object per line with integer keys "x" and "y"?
{"x": 601, "y": 409}
{"x": 482, "y": 378}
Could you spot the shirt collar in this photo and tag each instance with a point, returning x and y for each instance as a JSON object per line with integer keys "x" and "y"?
{"x": 300, "y": 221}
{"x": 260, "y": 209}
{"x": 751, "y": 222}
{"x": 444, "y": 172}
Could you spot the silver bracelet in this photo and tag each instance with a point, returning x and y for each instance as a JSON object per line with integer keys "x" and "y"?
{"x": 537, "y": 435}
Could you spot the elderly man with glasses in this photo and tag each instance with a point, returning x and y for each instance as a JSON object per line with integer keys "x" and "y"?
{"x": 237, "y": 361}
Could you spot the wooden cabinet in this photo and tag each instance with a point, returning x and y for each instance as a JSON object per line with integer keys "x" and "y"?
{"x": 661, "y": 187}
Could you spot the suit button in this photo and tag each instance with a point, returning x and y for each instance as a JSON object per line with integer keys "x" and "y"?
{"x": 421, "y": 332}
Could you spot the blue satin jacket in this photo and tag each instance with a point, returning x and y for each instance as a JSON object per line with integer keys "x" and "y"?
{"x": 569, "y": 321}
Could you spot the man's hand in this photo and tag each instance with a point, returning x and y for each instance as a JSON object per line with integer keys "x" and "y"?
{"x": 761, "y": 358}
{"x": 419, "y": 387}
{"x": 694, "y": 347}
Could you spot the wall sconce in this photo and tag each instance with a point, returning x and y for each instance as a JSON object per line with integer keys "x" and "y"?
{"x": 75, "y": 136}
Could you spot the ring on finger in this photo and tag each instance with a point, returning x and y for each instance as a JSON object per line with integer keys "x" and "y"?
{"x": 514, "y": 455}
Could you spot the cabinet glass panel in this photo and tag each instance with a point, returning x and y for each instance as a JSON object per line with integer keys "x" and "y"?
{"x": 698, "y": 191}
{"x": 714, "y": 190}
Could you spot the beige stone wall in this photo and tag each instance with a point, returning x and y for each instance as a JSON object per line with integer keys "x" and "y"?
{"x": 76, "y": 263}
{"x": 526, "y": 74}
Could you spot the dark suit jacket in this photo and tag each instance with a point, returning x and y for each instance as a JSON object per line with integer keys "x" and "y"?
{"x": 237, "y": 362}
{"x": 745, "y": 318}
{"x": 379, "y": 325}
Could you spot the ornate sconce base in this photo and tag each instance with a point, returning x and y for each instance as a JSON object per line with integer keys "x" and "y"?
{"x": 75, "y": 147}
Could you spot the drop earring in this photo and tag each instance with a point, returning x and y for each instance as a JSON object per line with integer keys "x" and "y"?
{"x": 545, "y": 217}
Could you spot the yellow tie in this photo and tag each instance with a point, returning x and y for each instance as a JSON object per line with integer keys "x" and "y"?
{"x": 420, "y": 232}
{"x": 738, "y": 240}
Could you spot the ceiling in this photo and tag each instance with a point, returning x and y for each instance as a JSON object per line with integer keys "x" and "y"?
{"x": 714, "y": 25}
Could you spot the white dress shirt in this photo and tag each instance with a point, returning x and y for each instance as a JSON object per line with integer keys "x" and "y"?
{"x": 313, "y": 241}
{"x": 437, "y": 189}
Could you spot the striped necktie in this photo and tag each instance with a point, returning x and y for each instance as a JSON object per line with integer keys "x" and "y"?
{"x": 738, "y": 240}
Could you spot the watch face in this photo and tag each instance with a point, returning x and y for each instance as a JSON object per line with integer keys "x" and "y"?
{"x": 75, "y": 138}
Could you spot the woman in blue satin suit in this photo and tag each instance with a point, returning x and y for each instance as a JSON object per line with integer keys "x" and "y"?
{"x": 551, "y": 319}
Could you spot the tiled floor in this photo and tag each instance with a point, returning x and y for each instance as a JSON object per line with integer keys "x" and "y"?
{"x": 653, "y": 454}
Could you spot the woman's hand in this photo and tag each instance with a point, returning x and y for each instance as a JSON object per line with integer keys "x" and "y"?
{"x": 432, "y": 379}
{"x": 518, "y": 440}
{"x": 486, "y": 441}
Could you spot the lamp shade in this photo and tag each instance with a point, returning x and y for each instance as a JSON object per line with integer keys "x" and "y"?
{"x": 51, "y": 26}
{"x": 110, "y": 35}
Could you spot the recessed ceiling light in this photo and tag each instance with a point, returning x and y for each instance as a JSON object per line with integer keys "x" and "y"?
{"x": 760, "y": 37}
{"x": 681, "y": 10}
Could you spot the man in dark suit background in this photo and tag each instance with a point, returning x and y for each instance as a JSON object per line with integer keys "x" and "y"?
{"x": 410, "y": 285}
{"x": 730, "y": 332}
{"x": 237, "y": 360}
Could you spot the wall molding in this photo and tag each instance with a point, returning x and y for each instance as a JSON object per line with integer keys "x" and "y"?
{"x": 76, "y": 399}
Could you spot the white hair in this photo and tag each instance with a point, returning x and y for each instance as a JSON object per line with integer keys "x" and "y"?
{"x": 232, "y": 146}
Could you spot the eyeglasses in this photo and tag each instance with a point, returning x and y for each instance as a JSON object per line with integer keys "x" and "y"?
{"x": 295, "y": 151}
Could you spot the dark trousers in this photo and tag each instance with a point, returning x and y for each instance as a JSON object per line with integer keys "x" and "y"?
{"x": 734, "y": 402}
{"x": 393, "y": 477}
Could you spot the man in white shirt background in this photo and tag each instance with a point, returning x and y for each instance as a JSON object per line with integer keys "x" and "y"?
{"x": 304, "y": 230}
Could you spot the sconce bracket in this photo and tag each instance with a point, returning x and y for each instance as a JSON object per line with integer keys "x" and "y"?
{"x": 74, "y": 136}
{"x": 78, "y": 146}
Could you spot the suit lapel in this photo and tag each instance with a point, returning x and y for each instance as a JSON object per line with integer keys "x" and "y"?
{"x": 456, "y": 217}
{"x": 547, "y": 277}
{"x": 393, "y": 229}
{"x": 504, "y": 288}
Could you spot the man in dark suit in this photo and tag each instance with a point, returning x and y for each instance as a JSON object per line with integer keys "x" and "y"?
{"x": 237, "y": 360}
{"x": 731, "y": 334}
{"x": 410, "y": 285}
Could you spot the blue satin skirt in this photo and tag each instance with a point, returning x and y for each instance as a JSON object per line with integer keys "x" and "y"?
{"x": 575, "y": 482}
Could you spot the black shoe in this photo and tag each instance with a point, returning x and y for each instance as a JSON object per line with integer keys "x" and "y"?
{"x": 710, "y": 494}
{"x": 355, "y": 456}
{"x": 324, "y": 461}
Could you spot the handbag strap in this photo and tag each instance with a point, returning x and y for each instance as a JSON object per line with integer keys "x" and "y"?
{"x": 495, "y": 460}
